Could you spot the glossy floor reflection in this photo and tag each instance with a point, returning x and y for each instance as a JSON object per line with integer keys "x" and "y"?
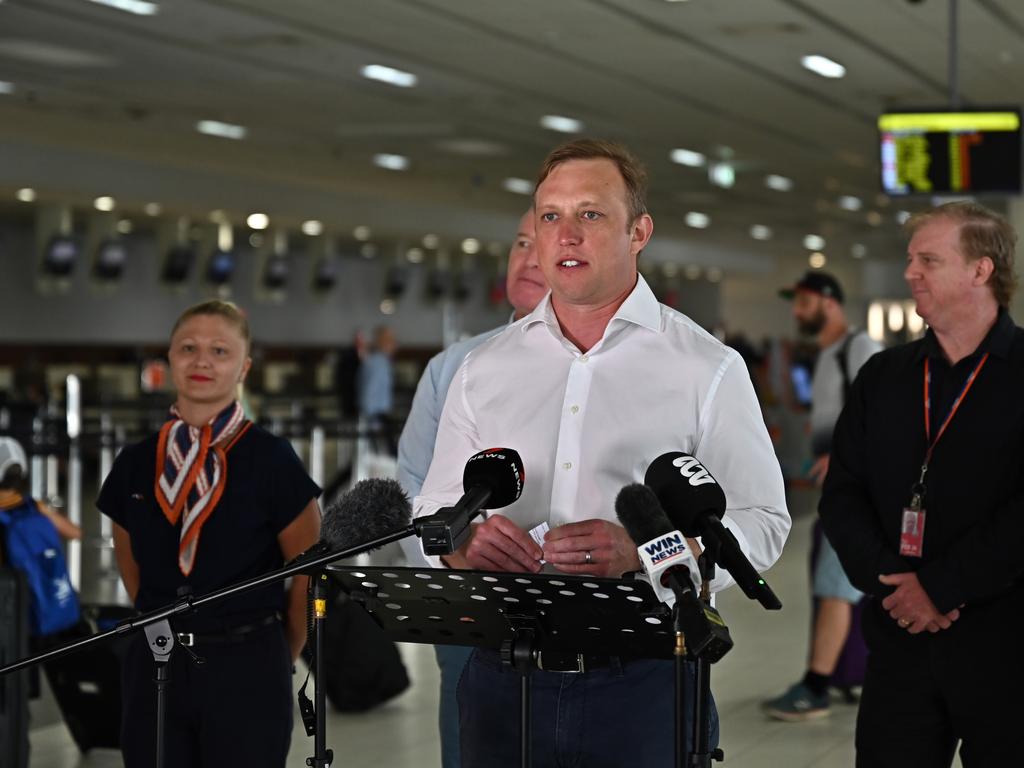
{"x": 769, "y": 655}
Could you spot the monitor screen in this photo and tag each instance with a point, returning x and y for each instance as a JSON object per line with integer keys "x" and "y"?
{"x": 60, "y": 255}
{"x": 221, "y": 267}
{"x": 110, "y": 259}
{"x": 178, "y": 263}
{"x": 325, "y": 274}
{"x": 961, "y": 153}
{"x": 275, "y": 273}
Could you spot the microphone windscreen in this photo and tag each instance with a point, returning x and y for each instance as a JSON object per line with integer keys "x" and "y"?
{"x": 500, "y": 470}
{"x": 371, "y": 509}
{"x": 685, "y": 489}
{"x": 640, "y": 513}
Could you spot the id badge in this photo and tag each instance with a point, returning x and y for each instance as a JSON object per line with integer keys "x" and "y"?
{"x": 912, "y": 532}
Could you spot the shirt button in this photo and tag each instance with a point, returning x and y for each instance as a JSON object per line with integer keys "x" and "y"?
{"x": 575, "y": 409}
{"x": 583, "y": 358}
{"x": 567, "y": 465}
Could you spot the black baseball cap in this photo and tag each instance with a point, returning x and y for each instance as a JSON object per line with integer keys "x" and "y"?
{"x": 821, "y": 283}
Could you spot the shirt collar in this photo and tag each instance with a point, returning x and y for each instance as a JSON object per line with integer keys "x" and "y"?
{"x": 997, "y": 341}
{"x": 640, "y": 308}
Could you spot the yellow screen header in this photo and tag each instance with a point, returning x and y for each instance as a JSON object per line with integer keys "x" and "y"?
{"x": 937, "y": 122}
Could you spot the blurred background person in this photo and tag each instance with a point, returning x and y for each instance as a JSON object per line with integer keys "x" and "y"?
{"x": 376, "y": 388}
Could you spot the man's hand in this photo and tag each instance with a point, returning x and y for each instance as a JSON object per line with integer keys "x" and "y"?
{"x": 911, "y": 607}
{"x": 497, "y": 544}
{"x": 818, "y": 471}
{"x": 612, "y": 552}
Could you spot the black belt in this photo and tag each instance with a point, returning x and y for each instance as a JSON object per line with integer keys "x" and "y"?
{"x": 233, "y": 635}
{"x": 554, "y": 661}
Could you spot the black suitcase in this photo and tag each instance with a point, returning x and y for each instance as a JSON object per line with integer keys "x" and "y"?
{"x": 87, "y": 683}
{"x": 13, "y": 687}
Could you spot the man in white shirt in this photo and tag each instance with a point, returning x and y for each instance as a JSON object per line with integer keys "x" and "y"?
{"x": 589, "y": 388}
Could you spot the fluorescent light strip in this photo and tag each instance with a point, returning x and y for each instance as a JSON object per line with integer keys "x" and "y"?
{"x": 138, "y": 7}
{"x": 814, "y": 242}
{"x": 389, "y": 75}
{"x": 391, "y": 162}
{"x": 823, "y": 65}
{"x": 761, "y": 232}
{"x": 687, "y": 157}
{"x": 561, "y": 124}
{"x": 519, "y": 186}
{"x": 778, "y": 183}
{"x": 222, "y": 130}
{"x": 850, "y": 203}
{"x": 697, "y": 220}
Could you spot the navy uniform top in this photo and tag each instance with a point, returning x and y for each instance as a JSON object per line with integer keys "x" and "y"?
{"x": 266, "y": 489}
{"x": 974, "y": 499}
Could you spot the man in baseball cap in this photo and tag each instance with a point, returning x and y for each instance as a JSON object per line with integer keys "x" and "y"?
{"x": 12, "y": 455}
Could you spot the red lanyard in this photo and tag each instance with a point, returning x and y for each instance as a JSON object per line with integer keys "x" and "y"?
{"x": 952, "y": 410}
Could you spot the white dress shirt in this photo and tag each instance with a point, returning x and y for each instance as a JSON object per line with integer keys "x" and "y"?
{"x": 586, "y": 424}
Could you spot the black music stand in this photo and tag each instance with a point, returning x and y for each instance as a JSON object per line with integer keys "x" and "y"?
{"x": 519, "y": 614}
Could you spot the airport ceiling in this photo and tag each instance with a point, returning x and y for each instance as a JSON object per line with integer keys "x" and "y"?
{"x": 103, "y": 101}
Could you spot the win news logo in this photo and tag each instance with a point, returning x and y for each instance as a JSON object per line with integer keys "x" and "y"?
{"x": 664, "y": 549}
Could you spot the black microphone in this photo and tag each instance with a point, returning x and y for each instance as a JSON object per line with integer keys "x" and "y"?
{"x": 492, "y": 479}
{"x": 662, "y": 551}
{"x": 695, "y": 503}
{"x": 370, "y": 510}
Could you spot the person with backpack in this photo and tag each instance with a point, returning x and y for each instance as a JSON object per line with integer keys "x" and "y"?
{"x": 31, "y": 533}
{"x": 209, "y": 501}
{"x": 818, "y": 310}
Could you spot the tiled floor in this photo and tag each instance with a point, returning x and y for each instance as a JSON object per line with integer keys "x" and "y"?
{"x": 768, "y": 656}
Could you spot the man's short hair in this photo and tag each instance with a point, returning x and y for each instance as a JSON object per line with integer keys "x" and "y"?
{"x": 982, "y": 233}
{"x": 632, "y": 171}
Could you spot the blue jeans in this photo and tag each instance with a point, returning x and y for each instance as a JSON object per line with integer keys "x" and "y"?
{"x": 451, "y": 659}
{"x": 619, "y": 715}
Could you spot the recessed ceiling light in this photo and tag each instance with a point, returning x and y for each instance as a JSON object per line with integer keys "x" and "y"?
{"x": 26, "y": 194}
{"x": 692, "y": 272}
{"x": 312, "y": 227}
{"x": 519, "y": 186}
{"x": 778, "y": 183}
{"x": 687, "y": 157}
{"x": 389, "y": 75}
{"x": 858, "y": 250}
{"x": 414, "y": 255}
{"x": 714, "y": 274}
{"x": 471, "y": 245}
{"x": 391, "y": 162}
{"x": 814, "y": 242}
{"x": 824, "y": 66}
{"x": 362, "y": 232}
{"x": 761, "y": 232}
{"x": 850, "y": 203}
{"x": 697, "y": 220}
{"x": 124, "y": 226}
{"x": 431, "y": 241}
{"x": 368, "y": 250}
{"x": 6, "y": 87}
{"x": 257, "y": 221}
{"x": 874, "y": 218}
{"x": 152, "y": 209}
{"x": 722, "y": 174}
{"x": 387, "y": 306}
{"x": 901, "y": 217}
{"x": 104, "y": 203}
{"x": 817, "y": 260}
{"x": 138, "y": 7}
{"x": 222, "y": 130}
{"x": 473, "y": 147}
{"x": 561, "y": 124}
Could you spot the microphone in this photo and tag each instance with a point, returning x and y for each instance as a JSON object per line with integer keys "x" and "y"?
{"x": 493, "y": 478}
{"x": 695, "y": 503}
{"x": 370, "y": 510}
{"x": 663, "y": 553}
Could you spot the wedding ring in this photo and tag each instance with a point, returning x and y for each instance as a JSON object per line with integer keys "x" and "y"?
{"x": 587, "y": 558}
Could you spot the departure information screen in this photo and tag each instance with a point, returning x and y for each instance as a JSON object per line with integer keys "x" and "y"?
{"x": 951, "y": 152}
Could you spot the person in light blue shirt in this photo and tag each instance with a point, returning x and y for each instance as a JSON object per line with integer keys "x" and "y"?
{"x": 376, "y": 387}
{"x": 525, "y": 287}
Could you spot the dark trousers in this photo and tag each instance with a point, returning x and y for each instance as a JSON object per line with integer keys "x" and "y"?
{"x": 923, "y": 694}
{"x": 235, "y": 709}
{"x": 619, "y": 715}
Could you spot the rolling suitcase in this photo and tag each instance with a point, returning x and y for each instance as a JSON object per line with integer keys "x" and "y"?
{"x": 87, "y": 683}
{"x": 13, "y": 687}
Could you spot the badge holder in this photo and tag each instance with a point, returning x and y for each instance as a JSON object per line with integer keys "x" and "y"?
{"x": 522, "y": 616}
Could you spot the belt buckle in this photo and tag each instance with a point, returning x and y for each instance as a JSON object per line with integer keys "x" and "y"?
{"x": 581, "y": 667}
{"x": 188, "y": 639}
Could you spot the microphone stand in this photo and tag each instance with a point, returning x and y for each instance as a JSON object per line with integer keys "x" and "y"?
{"x": 157, "y": 626}
{"x": 702, "y": 754}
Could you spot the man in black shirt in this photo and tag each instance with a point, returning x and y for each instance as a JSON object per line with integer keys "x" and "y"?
{"x": 924, "y": 502}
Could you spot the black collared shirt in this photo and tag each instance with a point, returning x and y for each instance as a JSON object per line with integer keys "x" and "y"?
{"x": 974, "y": 500}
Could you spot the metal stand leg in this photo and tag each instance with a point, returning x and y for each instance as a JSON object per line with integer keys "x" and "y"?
{"x": 322, "y": 756}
